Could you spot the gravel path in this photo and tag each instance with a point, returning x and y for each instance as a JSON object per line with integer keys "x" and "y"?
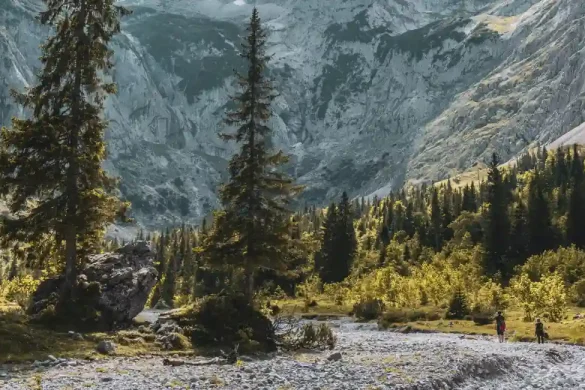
{"x": 370, "y": 360}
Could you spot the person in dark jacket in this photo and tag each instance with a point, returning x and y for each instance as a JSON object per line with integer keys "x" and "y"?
{"x": 539, "y": 331}
{"x": 500, "y": 326}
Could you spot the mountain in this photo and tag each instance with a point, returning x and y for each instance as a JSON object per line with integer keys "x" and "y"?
{"x": 373, "y": 93}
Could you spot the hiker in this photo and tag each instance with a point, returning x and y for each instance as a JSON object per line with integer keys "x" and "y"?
{"x": 539, "y": 330}
{"x": 500, "y": 326}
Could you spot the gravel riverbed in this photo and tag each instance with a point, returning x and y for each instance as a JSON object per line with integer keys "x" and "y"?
{"x": 370, "y": 359}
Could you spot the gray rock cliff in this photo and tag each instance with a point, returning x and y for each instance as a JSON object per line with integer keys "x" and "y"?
{"x": 372, "y": 92}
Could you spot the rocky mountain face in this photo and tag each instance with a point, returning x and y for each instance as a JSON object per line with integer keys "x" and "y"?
{"x": 372, "y": 92}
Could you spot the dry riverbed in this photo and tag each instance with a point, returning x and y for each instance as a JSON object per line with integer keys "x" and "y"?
{"x": 370, "y": 359}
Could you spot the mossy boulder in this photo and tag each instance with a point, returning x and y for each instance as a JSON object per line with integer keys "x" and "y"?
{"x": 227, "y": 320}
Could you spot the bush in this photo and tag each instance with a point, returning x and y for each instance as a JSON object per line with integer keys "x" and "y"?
{"x": 578, "y": 291}
{"x": 75, "y": 312}
{"x": 226, "y": 321}
{"x": 369, "y": 309}
{"x": 307, "y": 336}
{"x": 21, "y": 289}
{"x": 547, "y": 298}
{"x": 337, "y": 292}
{"x": 458, "y": 308}
{"x": 482, "y": 318}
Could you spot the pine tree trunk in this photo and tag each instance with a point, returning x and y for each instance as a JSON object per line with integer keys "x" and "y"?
{"x": 73, "y": 169}
{"x": 250, "y": 287}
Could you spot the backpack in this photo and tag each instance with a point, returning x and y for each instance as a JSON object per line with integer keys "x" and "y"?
{"x": 539, "y": 328}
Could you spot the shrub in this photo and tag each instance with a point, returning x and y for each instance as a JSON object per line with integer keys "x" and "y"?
{"x": 369, "y": 309}
{"x": 307, "y": 336}
{"x": 578, "y": 291}
{"x": 21, "y": 289}
{"x": 458, "y": 308}
{"x": 228, "y": 320}
{"x": 482, "y": 318}
{"x": 337, "y": 292}
{"x": 547, "y": 297}
{"x": 77, "y": 312}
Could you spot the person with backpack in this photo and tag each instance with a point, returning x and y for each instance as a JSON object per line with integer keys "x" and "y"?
{"x": 500, "y": 326}
{"x": 539, "y": 331}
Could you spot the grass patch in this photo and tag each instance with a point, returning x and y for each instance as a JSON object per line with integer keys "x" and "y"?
{"x": 430, "y": 319}
{"x": 567, "y": 331}
{"x": 21, "y": 341}
{"x": 325, "y": 307}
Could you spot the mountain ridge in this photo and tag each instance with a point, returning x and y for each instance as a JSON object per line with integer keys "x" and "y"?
{"x": 372, "y": 93}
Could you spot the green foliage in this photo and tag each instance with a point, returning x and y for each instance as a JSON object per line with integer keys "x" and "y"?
{"x": 76, "y": 311}
{"x": 228, "y": 320}
{"x": 458, "y": 308}
{"x": 569, "y": 263}
{"x": 310, "y": 288}
{"x": 51, "y": 169}
{"x": 367, "y": 310}
{"x": 547, "y": 298}
{"x": 252, "y": 230}
{"x": 337, "y": 292}
{"x": 401, "y": 316}
{"x": 308, "y": 336}
{"x": 578, "y": 293}
{"x": 21, "y": 289}
{"x": 484, "y": 318}
{"x": 497, "y": 224}
{"x": 339, "y": 245}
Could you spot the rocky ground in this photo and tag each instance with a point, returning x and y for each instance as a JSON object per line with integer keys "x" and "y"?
{"x": 370, "y": 359}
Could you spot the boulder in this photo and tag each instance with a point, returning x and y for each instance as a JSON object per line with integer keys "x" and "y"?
{"x": 115, "y": 285}
{"x": 106, "y": 347}
{"x": 334, "y": 357}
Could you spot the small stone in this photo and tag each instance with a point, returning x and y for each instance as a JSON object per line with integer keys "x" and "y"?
{"x": 53, "y": 358}
{"x": 106, "y": 347}
{"x": 107, "y": 379}
{"x": 334, "y": 357}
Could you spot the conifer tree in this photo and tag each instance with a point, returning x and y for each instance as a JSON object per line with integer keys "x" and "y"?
{"x": 346, "y": 244}
{"x": 169, "y": 284}
{"x": 409, "y": 219}
{"x": 518, "y": 237}
{"x": 51, "y": 164}
{"x": 251, "y": 231}
{"x": 497, "y": 222}
{"x": 575, "y": 226}
{"x": 540, "y": 232}
{"x": 446, "y": 216}
{"x": 325, "y": 259}
{"x": 436, "y": 220}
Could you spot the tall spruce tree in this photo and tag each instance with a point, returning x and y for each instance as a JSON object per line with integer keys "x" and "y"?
{"x": 518, "y": 237}
{"x": 339, "y": 243}
{"x": 576, "y": 210}
{"x": 446, "y": 215}
{"x": 497, "y": 222}
{"x": 325, "y": 259}
{"x": 51, "y": 164}
{"x": 540, "y": 231}
{"x": 251, "y": 231}
{"x": 436, "y": 220}
{"x": 346, "y": 241}
{"x": 169, "y": 283}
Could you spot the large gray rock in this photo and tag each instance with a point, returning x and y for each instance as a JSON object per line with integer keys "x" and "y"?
{"x": 126, "y": 276}
{"x": 116, "y": 284}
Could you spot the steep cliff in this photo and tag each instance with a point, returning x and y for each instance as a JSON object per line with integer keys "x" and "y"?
{"x": 372, "y": 92}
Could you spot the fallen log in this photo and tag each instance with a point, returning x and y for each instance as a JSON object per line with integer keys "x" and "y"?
{"x": 176, "y": 363}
